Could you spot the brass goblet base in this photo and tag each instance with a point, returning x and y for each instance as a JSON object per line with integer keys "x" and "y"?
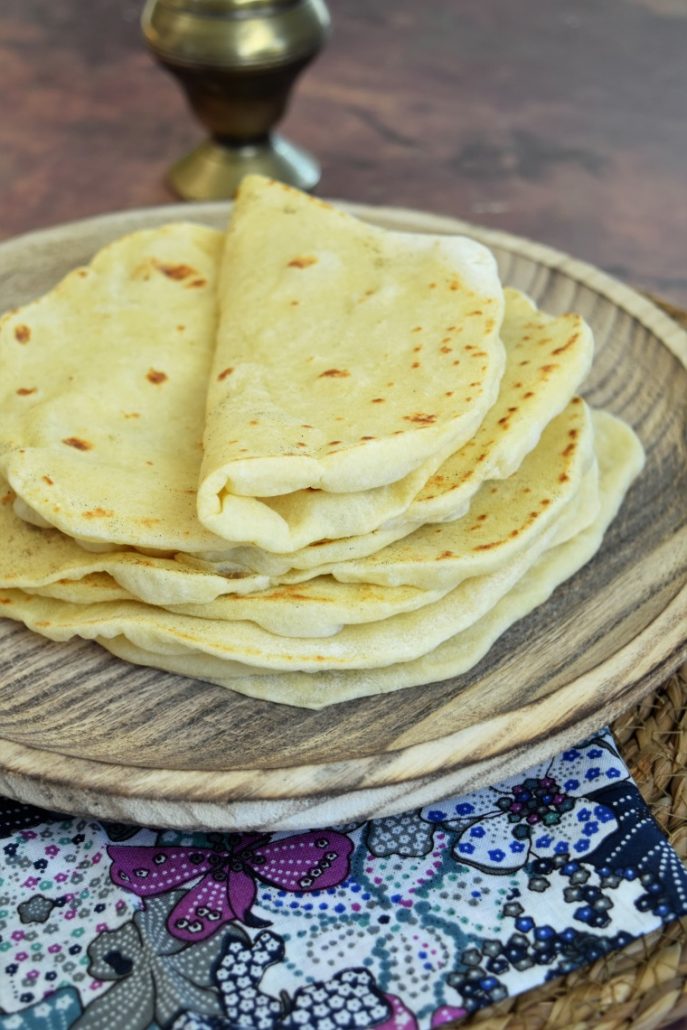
{"x": 214, "y": 170}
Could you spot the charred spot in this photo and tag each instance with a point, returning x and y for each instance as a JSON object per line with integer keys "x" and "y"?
{"x": 570, "y": 449}
{"x": 527, "y": 395}
{"x": 176, "y": 272}
{"x": 367, "y": 437}
{"x": 302, "y": 262}
{"x": 415, "y": 364}
{"x": 456, "y": 362}
{"x": 377, "y": 400}
{"x": 454, "y": 284}
{"x": 570, "y": 343}
{"x": 564, "y": 477}
{"x": 82, "y": 272}
{"x": 153, "y": 375}
{"x": 224, "y": 373}
{"x": 22, "y": 333}
{"x": 416, "y": 350}
{"x": 97, "y": 513}
{"x": 485, "y": 547}
{"x": 546, "y": 369}
{"x": 196, "y": 283}
{"x": 77, "y": 443}
{"x": 7, "y": 498}
{"x": 444, "y": 554}
{"x": 333, "y": 443}
{"x": 334, "y": 373}
{"x": 573, "y": 434}
{"x": 254, "y": 422}
{"x": 48, "y": 480}
{"x": 26, "y": 391}
{"x": 446, "y": 350}
{"x": 449, "y": 393}
{"x": 416, "y": 329}
{"x": 545, "y": 502}
{"x": 420, "y": 418}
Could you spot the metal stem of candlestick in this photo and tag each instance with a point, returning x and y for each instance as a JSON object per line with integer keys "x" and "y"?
{"x": 237, "y": 61}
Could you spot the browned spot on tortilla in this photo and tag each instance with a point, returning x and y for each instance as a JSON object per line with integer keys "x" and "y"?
{"x": 432, "y": 286}
{"x": 545, "y": 502}
{"x": 564, "y": 477}
{"x": 503, "y": 421}
{"x": 321, "y": 543}
{"x": 254, "y": 422}
{"x": 294, "y": 303}
{"x": 177, "y": 272}
{"x": 24, "y": 391}
{"x": 224, "y": 373}
{"x": 486, "y": 547}
{"x": 416, "y": 350}
{"x": 477, "y": 311}
{"x": 5, "y": 600}
{"x": 456, "y": 362}
{"x": 415, "y": 364}
{"x": 149, "y": 462}
{"x": 149, "y": 522}
{"x": 82, "y": 272}
{"x": 8, "y": 497}
{"x": 446, "y": 350}
{"x": 305, "y": 425}
{"x": 313, "y": 489}
{"x": 570, "y": 449}
{"x": 22, "y": 333}
{"x": 195, "y": 283}
{"x": 489, "y": 325}
{"x": 234, "y": 575}
{"x": 525, "y": 396}
{"x": 520, "y": 363}
{"x": 573, "y": 434}
{"x": 131, "y": 414}
{"x": 444, "y": 554}
{"x": 335, "y": 373}
{"x": 302, "y": 262}
{"x": 449, "y": 393}
{"x": 367, "y": 437}
{"x": 511, "y": 410}
{"x": 43, "y": 622}
{"x": 180, "y": 328}
{"x": 301, "y": 444}
{"x": 467, "y": 399}
{"x": 48, "y": 480}
{"x": 420, "y": 418}
{"x": 377, "y": 400}
{"x": 153, "y": 375}
{"x": 416, "y": 329}
{"x": 78, "y": 443}
{"x": 333, "y": 443}
{"x": 454, "y": 284}
{"x": 97, "y": 513}
{"x": 570, "y": 343}
{"x": 547, "y": 368}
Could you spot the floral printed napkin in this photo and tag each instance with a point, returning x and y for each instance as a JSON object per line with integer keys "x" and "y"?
{"x": 400, "y": 923}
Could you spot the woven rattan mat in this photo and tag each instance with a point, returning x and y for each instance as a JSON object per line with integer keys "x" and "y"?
{"x": 644, "y": 986}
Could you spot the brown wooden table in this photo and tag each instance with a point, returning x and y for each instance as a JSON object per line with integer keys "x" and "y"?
{"x": 560, "y": 121}
{"x": 564, "y": 122}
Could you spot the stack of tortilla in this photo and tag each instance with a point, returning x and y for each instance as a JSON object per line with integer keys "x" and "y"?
{"x": 307, "y": 459}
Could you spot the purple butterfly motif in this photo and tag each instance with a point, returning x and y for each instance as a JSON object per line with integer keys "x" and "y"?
{"x": 228, "y": 869}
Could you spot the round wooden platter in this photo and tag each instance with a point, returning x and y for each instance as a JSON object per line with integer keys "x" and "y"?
{"x": 86, "y": 733}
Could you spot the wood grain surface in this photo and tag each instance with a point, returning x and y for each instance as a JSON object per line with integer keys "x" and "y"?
{"x": 563, "y": 122}
{"x": 141, "y": 745}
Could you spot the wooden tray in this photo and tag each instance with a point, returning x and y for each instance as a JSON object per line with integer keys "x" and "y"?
{"x": 83, "y": 732}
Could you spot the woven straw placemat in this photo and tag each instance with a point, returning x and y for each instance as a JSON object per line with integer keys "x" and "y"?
{"x": 644, "y": 986}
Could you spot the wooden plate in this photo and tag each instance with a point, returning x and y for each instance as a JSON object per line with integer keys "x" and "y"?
{"x": 83, "y": 732}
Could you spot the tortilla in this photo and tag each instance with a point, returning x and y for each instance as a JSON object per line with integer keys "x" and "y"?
{"x": 337, "y": 348}
{"x": 102, "y": 392}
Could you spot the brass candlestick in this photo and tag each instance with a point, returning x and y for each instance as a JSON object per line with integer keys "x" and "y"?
{"x": 237, "y": 61}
